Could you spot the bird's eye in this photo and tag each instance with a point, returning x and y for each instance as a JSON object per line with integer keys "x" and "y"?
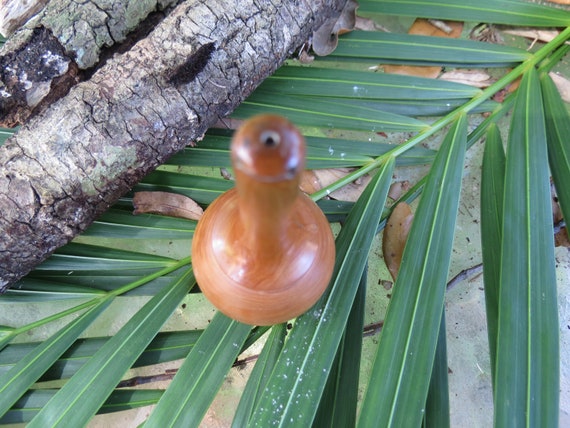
{"x": 270, "y": 138}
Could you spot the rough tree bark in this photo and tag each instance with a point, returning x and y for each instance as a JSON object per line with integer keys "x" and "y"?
{"x": 41, "y": 61}
{"x": 13, "y": 13}
{"x": 71, "y": 162}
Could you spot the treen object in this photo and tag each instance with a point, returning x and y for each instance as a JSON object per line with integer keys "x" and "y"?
{"x": 263, "y": 252}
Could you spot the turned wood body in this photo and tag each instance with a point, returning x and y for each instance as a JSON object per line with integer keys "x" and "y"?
{"x": 263, "y": 253}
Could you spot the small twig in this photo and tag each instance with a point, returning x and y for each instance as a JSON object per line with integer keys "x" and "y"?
{"x": 464, "y": 274}
{"x": 141, "y": 380}
{"x": 169, "y": 374}
{"x": 240, "y": 364}
{"x": 372, "y": 329}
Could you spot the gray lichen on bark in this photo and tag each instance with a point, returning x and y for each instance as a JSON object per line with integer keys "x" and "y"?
{"x": 84, "y": 28}
{"x": 14, "y": 13}
{"x": 75, "y": 33}
{"x": 70, "y": 163}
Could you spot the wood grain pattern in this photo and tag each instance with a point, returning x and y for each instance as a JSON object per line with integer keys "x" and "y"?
{"x": 263, "y": 253}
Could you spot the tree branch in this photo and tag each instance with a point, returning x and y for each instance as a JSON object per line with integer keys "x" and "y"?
{"x": 45, "y": 57}
{"x": 14, "y": 13}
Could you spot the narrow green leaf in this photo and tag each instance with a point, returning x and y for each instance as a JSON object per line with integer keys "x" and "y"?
{"x": 202, "y": 189}
{"x": 34, "y": 364}
{"x": 40, "y": 290}
{"x": 400, "y": 376}
{"x": 339, "y": 83}
{"x": 342, "y": 148}
{"x": 165, "y": 347}
{"x": 204, "y": 154}
{"x": 298, "y": 380}
{"x": 259, "y": 375}
{"x": 5, "y": 134}
{"x": 195, "y": 385}
{"x": 58, "y": 286}
{"x": 122, "y": 399}
{"x": 557, "y": 131}
{"x": 318, "y": 112}
{"x": 509, "y": 12}
{"x": 425, "y": 50}
{"x": 527, "y": 365}
{"x": 119, "y": 223}
{"x": 415, "y": 108}
{"x": 168, "y": 346}
{"x": 6, "y": 335}
{"x": 340, "y": 397}
{"x": 321, "y": 153}
{"x": 317, "y": 158}
{"x": 437, "y": 403}
{"x": 492, "y": 191}
{"x": 83, "y": 257}
{"x": 84, "y": 393}
{"x": 81, "y": 282}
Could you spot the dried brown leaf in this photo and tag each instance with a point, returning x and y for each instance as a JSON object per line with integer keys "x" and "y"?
{"x": 166, "y": 203}
{"x": 442, "y": 25}
{"x": 430, "y": 72}
{"x": 309, "y": 182}
{"x": 561, "y": 238}
{"x": 365, "y": 24}
{"x": 534, "y": 34}
{"x": 226, "y": 174}
{"x": 477, "y": 78}
{"x": 426, "y": 28}
{"x": 509, "y": 89}
{"x": 325, "y": 38}
{"x": 304, "y": 57}
{"x": 314, "y": 180}
{"x": 398, "y": 188}
{"x": 395, "y": 236}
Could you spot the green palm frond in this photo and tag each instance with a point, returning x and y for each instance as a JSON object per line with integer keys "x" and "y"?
{"x": 312, "y": 346}
{"x": 326, "y": 82}
{"x": 120, "y": 399}
{"x": 526, "y": 381}
{"x": 166, "y": 346}
{"x": 307, "y": 373}
{"x": 492, "y": 191}
{"x": 508, "y": 12}
{"x": 417, "y": 301}
{"x": 77, "y": 401}
{"x": 425, "y": 50}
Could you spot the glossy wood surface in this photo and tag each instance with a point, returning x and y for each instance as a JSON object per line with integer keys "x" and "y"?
{"x": 263, "y": 253}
